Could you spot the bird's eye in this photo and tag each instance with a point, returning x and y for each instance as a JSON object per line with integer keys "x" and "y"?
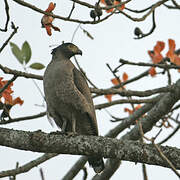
{"x": 72, "y": 48}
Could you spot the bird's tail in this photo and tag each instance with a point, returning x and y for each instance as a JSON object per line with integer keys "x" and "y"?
{"x": 97, "y": 163}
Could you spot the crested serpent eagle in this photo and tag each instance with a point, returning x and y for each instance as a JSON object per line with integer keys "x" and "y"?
{"x": 68, "y": 97}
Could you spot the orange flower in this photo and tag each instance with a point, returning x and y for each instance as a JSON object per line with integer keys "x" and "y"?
{"x": 115, "y": 81}
{"x": 156, "y": 55}
{"x": 132, "y": 111}
{"x": 46, "y": 20}
{"x": 128, "y": 110}
{"x": 174, "y": 58}
{"x": 152, "y": 71}
{"x": 7, "y": 94}
{"x": 108, "y": 97}
{"x": 111, "y": 3}
{"x": 121, "y": 7}
{"x": 17, "y": 100}
{"x": 125, "y": 77}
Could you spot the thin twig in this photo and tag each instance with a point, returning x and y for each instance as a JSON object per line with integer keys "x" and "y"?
{"x": 145, "y": 177}
{"x": 28, "y": 5}
{"x": 85, "y": 175}
{"x": 12, "y": 34}
{"x": 133, "y": 93}
{"x": 41, "y": 174}
{"x": 73, "y": 6}
{"x": 23, "y": 118}
{"x": 166, "y": 159}
{"x": 154, "y": 6}
{"x": 138, "y": 11}
{"x": 7, "y": 70}
{"x": 151, "y": 30}
{"x": 176, "y": 4}
{"x": 7, "y": 16}
{"x": 163, "y": 66}
{"x": 124, "y": 101}
{"x": 28, "y": 166}
{"x": 7, "y": 84}
{"x": 78, "y": 65}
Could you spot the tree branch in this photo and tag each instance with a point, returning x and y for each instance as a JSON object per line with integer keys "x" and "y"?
{"x": 7, "y": 70}
{"x": 163, "y": 66}
{"x": 28, "y": 166}
{"x": 12, "y": 34}
{"x": 88, "y": 145}
{"x": 7, "y": 16}
{"x": 132, "y": 93}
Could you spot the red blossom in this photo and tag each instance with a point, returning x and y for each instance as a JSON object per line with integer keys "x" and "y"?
{"x": 156, "y": 55}
{"x": 7, "y": 94}
{"x": 132, "y": 111}
{"x": 152, "y": 71}
{"x": 109, "y": 97}
{"x": 46, "y": 20}
{"x": 174, "y": 58}
{"x": 113, "y": 2}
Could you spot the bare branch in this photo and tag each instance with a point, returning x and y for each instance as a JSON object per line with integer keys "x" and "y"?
{"x": 163, "y": 66}
{"x": 7, "y": 84}
{"x": 24, "y": 118}
{"x": 166, "y": 159}
{"x": 12, "y": 34}
{"x": 122, "y": 101}
{"x": 25, "y": 4}
{"x": 152, "y": 29}
{"x": 7, "y": 70}
{"x": 7, "y": 16}
{"x": 88, "y": 145}
{"x": 28, "y": 166}
{"x": 132, "y": 93}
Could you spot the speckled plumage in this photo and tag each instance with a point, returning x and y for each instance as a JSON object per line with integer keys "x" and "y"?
{"x": 68, "y": 97}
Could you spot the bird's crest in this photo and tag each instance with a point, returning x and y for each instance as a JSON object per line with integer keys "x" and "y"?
{"x": 67, "y": 48}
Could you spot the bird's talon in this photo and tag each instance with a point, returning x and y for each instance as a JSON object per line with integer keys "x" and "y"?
{"x": 58, "y": 133}
{"x": 70, "y": 134}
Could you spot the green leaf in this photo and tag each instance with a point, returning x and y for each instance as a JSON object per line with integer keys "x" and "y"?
{"x": 26, "y": 50}
{"x": 37, "y": 66}
{"x": 17, "y": 52}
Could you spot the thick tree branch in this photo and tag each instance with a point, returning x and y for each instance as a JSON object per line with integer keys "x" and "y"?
{"x": 114, "y": 133}
{"x": 88, "y": 145}
{"x": 161, "y": 108}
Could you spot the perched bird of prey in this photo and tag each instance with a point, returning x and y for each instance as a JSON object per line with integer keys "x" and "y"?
{"x": 68, "y": 97}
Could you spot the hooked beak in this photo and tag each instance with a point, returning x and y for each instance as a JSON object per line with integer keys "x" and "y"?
{"x": 79, "y": 52}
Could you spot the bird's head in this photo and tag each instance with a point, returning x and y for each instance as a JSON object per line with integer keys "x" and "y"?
{"x": 67, "y": 50}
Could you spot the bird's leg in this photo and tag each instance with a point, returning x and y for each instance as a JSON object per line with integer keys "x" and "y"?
{"x": 64, "y": 126}
{"x": 73, "y": 124}
{"x": 73, "y": 127}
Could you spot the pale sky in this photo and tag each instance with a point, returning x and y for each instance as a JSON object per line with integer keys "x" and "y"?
{"x": 113, "y": 39}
